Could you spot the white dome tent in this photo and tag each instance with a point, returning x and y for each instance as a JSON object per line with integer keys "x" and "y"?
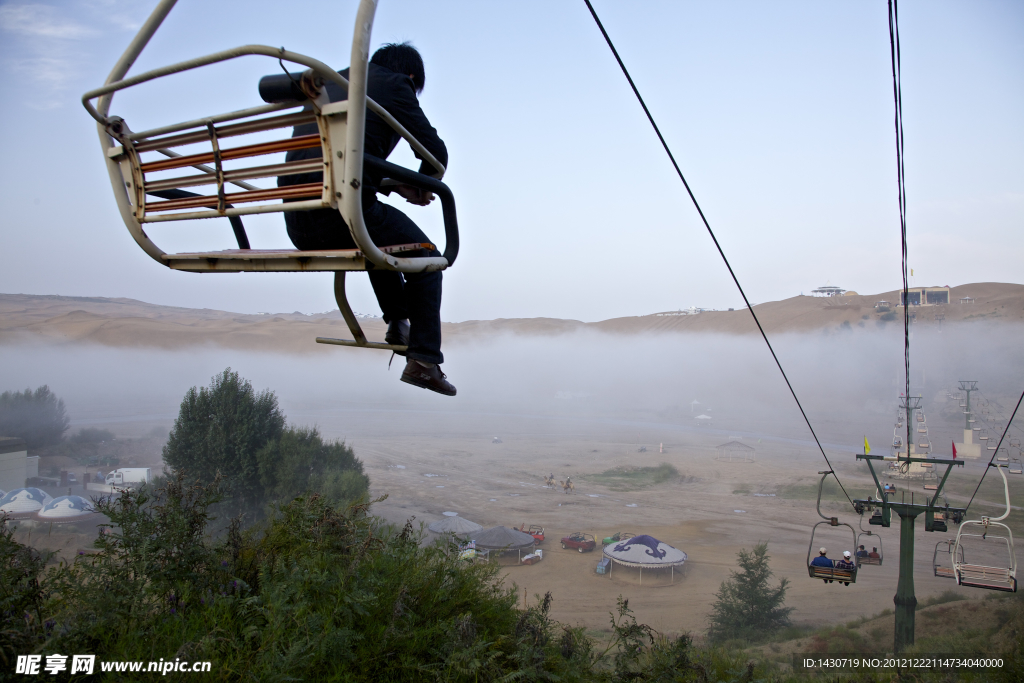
{"x": 66, "y": 509}
{"x": 645, "y": 552}
{"x": 24, "y": 503}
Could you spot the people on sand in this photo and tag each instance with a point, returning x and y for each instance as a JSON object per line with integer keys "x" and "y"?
{"x": 410, "y": 302}
{"x": 822, "y": 561}
{"x": 874, "y": 554}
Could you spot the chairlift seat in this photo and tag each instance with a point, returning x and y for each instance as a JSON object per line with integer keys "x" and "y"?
{"x": 219, "y": 154}
{"x": 991, "y": 578}
{"x": 832, "y": 574}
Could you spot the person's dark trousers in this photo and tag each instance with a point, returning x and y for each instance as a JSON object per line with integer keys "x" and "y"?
{"x": 416, "y": 296}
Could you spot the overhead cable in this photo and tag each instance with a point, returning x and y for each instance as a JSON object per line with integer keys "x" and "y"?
{"x": 713, "y": 238}
{"x": 995, "y": 452}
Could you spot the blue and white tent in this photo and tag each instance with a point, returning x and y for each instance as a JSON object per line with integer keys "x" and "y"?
{"x": 66, "y": 509}
{"x": 24, "y": 503}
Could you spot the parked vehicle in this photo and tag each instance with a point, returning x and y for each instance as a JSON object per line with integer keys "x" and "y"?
{"x": 534, "y": 530}
{"x": 129, "y": 476}
{"x": 72, "y": 479}
{"x": 580, "y": 541}
{"x": 616, "y": 537}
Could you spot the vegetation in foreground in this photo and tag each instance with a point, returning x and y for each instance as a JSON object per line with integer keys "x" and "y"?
{"x": 322, "y": 593}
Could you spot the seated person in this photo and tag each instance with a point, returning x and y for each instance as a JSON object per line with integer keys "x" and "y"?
{"x": 846, "y": 565}
{"x": 861, "y": 552}
{"x": 822, "y": 561}
{"x": 874, "y": 554}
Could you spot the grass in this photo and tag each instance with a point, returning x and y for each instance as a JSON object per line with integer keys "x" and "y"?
{"x": 634, "y": 478}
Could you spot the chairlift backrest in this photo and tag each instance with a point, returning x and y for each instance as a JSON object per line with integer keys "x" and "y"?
{"x": 138, "y": 174}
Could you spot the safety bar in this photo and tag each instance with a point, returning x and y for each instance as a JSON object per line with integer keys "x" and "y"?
{"x": 423, "y": 182}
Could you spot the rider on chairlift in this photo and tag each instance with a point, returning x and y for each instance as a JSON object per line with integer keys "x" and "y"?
{"x": 410, "y": 302}
{"x": 822, "y": 561}
{"x": 846, "y": 564}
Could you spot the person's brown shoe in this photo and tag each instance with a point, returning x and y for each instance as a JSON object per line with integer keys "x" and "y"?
{"x": 427, "y": 378}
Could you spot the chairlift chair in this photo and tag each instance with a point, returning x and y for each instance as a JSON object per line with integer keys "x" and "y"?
{"x": 873, "y": 538}
{"x": 846, "y": 576}
{"x": 150, "y": 188}
{"x": 939, "y": 567}
{"x": 982, "y": 576}
{"x": 1015, "y": 466}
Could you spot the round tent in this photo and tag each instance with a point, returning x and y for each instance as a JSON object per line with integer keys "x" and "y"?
{"x": 24, "y": 503}
{"x": 66, "y": 509}
{"x": 502, "y": 539}
{"x": 455, "y": 525}
{"x": 645, "y": 552}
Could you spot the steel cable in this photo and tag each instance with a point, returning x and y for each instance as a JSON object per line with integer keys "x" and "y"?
{"x": 714, "y": 239}
{"x": 897, "y": 96}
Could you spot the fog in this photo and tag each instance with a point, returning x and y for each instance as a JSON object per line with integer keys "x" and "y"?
{"x": 848, "y": 382}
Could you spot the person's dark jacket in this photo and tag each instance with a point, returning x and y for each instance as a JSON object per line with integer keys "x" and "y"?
{"x": 397, "y": 95}
{"x": 821, "y": 561}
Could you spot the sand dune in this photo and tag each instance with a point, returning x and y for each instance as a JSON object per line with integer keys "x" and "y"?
{"x": 130, "y": 323}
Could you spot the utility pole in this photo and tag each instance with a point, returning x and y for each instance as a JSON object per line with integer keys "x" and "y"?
{"x": 967, "y": 386}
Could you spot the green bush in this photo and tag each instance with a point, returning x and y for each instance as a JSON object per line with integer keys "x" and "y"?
{"x": 747, "y": 607}
{"x": 37, "y": 416}
{"x": 300, "y": 461}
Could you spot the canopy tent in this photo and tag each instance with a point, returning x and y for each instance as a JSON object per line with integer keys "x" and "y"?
{"x": 502, "y": 538}
{"x": 66, "y": 509}
{"x": 24, "y": 503}
{"x": 455, "y": 525}
{"x": 645, "y": 552}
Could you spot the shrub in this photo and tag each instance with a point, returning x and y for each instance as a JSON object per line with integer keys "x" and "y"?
{"x": 746, "y": 606}
{"x": 37, "y": 416}
{"x": 301, "y": 461}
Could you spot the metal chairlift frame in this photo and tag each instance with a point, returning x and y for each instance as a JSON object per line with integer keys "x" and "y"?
{"x": 824, "y": 573}
{"x": 341, "y": 131}
{"x": 940, "y": 570}
{"x": 983, "y": 576}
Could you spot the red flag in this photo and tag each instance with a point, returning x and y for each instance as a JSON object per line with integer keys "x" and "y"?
{"x": 954, "y": 449}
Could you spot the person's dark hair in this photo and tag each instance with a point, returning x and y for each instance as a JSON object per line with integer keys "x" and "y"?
{"x": 404, "y": 59}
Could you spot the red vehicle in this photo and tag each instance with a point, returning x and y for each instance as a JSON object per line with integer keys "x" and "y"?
{"x": 536, "y": 531}
{"x": 580, "y": 541}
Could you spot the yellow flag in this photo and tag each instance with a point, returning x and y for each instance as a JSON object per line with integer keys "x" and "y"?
{"x": 911, "y": 271}
{"x": 867, "y": 446}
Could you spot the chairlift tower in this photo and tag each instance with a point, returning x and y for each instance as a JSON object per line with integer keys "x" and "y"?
{"x": 909, "y": 405}
{"x": 905, "y": 600}
{"x": 967, "y": 386}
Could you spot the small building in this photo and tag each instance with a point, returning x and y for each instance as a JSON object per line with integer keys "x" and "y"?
{"x": 15, "y": 464}
{"x": 925, "y": 296}
{"x": 734, "y": 451}
{"x": 828, "y": 290}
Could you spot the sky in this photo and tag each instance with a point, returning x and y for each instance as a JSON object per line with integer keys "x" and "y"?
{"x": 780, "y": 115}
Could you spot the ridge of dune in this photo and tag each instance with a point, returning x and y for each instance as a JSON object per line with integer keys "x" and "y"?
{"x": 123, "y": 322}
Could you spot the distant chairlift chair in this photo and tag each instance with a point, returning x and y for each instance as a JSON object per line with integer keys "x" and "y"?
{"x": 143, "y": 165}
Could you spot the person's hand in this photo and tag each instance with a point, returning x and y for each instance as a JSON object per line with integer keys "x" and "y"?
{"x": 414, "y": 195}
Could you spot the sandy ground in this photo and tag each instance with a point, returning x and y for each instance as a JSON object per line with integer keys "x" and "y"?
{"x": 431, "y": 462}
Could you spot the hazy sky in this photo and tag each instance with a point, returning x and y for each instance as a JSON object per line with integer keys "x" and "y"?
{"x": 779, "y": 113}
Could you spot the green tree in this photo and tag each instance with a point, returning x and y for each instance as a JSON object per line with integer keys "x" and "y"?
{"x": 36, "y": 416}
{"x": 300, "y": 461}
{"x": 220, "y": 429}
{"x": 747, "y": 607}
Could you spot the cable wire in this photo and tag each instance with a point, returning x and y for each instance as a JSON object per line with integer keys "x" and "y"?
{"x": 897, "y": 96}
{"x": 995, "y": 452}
{"x": 714, "y": 239}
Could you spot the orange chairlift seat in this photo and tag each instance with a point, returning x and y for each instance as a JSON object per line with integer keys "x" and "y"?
{"x": 150, "y": 169}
